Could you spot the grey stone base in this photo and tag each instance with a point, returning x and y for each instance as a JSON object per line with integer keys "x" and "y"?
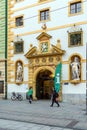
{"x": 23, "y": 94}
{"x": 74, "y": 98}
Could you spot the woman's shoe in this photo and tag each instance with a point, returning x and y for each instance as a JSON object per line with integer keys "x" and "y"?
{"x": 30, "y": 102}
{"x": 58, "y": 105}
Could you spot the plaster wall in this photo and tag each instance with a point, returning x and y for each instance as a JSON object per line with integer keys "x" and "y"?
{"x": 56, "y": 11}
{"x": 57, "y": 27}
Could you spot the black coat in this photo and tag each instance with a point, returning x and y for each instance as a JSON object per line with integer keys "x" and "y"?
{"x": 55, "y": 94}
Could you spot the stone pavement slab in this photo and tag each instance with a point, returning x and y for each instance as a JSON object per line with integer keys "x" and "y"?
{"x": 81, "y": 125}
{"x": 68, "y": 115}
{"x": 15, "y": 125}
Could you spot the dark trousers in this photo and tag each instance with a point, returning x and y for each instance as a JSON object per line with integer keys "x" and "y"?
{"x": 54, "y": 101}
{"x": 30, "y": 99}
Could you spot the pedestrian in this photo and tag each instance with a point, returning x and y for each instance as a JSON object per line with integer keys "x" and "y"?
{"x": 30, "y": 94}
{"x": 54, "y": 99}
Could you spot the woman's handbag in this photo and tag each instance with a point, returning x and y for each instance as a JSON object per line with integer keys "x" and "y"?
{"x": 57, "y": 99}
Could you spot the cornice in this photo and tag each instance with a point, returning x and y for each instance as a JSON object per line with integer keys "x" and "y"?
{"x": 54, "y": 28}
{"x": 43, "y": 55}
{"x": 43, "y": 34}
{"x": 33, "y": 52}
{"x": 33, "y": 5}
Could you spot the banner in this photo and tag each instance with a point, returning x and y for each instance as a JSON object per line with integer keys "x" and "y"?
{"x": 57, "y": 77}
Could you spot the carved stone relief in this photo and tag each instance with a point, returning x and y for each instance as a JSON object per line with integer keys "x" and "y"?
{"x": 50, "y": 59}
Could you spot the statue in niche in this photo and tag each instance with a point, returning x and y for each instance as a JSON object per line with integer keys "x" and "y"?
{"x": 75, "y": 69}
{"x": 19, "y": 72}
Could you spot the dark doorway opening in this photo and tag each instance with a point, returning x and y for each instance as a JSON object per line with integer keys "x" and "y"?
{"x": 44, "y": 84}
{"x": 1, "y": 87}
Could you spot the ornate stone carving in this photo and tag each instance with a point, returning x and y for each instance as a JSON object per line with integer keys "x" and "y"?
{"x": 57, "y": 58}
{"x": 50, "y": 59}
{"x": 37, "y": 60}
{"x": 44, "y": 27}
{"x": 43, "y": 59}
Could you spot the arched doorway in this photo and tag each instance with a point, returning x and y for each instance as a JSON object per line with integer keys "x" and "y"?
{"x": 44, "y": 84}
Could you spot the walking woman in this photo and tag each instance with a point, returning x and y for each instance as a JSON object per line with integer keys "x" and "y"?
{"x": 54, "y": 98}
{"x": 30, "y": 94}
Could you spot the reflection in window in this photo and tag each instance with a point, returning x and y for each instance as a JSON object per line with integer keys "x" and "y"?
{"x": 19, "y": 21}
{"x": 18, "y": 47}
{"x": 75, "y": 7}
{"x": 75, "y": 38}
{"x": 44, "y": 15}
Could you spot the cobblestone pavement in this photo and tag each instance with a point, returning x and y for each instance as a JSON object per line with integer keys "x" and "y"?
{"x": 67, "y": 116}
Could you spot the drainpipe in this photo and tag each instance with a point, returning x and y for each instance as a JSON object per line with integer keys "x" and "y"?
{"x": 6, "y": 13}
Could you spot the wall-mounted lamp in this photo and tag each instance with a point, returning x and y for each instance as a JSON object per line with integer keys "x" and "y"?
{"x": 17, "y": 39}
{"x": 74, "y": 28}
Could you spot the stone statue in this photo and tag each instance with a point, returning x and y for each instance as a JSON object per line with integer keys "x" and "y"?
{"x": 19, "y": 77}
{"x": 75, "y": 69}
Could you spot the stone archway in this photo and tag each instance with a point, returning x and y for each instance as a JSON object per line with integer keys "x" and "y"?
{"x": 40, "y": 60}
{"x": 46, "y": 80}
{"x": 44, "y": 84}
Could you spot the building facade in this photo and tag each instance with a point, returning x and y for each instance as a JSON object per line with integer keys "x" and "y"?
{"x": 3, "y": 49}
{"x": 42, "y": 34}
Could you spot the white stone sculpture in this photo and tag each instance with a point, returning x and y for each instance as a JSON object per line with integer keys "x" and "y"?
{"x": 75, "y": 68}
{"x": 19, "y": 76}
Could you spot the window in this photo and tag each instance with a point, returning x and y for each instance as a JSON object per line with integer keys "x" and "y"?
{"x": 19, "y": 21}
{"x": 44, "y": 47}
{"x": 18, "y": 47}
{"x": 1, "y": 87}
{"x": 42, "y": 0}
{"x": 19, "y": 0}
{"x": 44, "y": 15}
{"x": 75, "y": 7}
{"x": 75, "y": 38}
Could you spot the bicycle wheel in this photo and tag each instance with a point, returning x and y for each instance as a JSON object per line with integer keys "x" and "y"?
{"x": 20, "y": 98}
{"x": 13, "y": 98}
